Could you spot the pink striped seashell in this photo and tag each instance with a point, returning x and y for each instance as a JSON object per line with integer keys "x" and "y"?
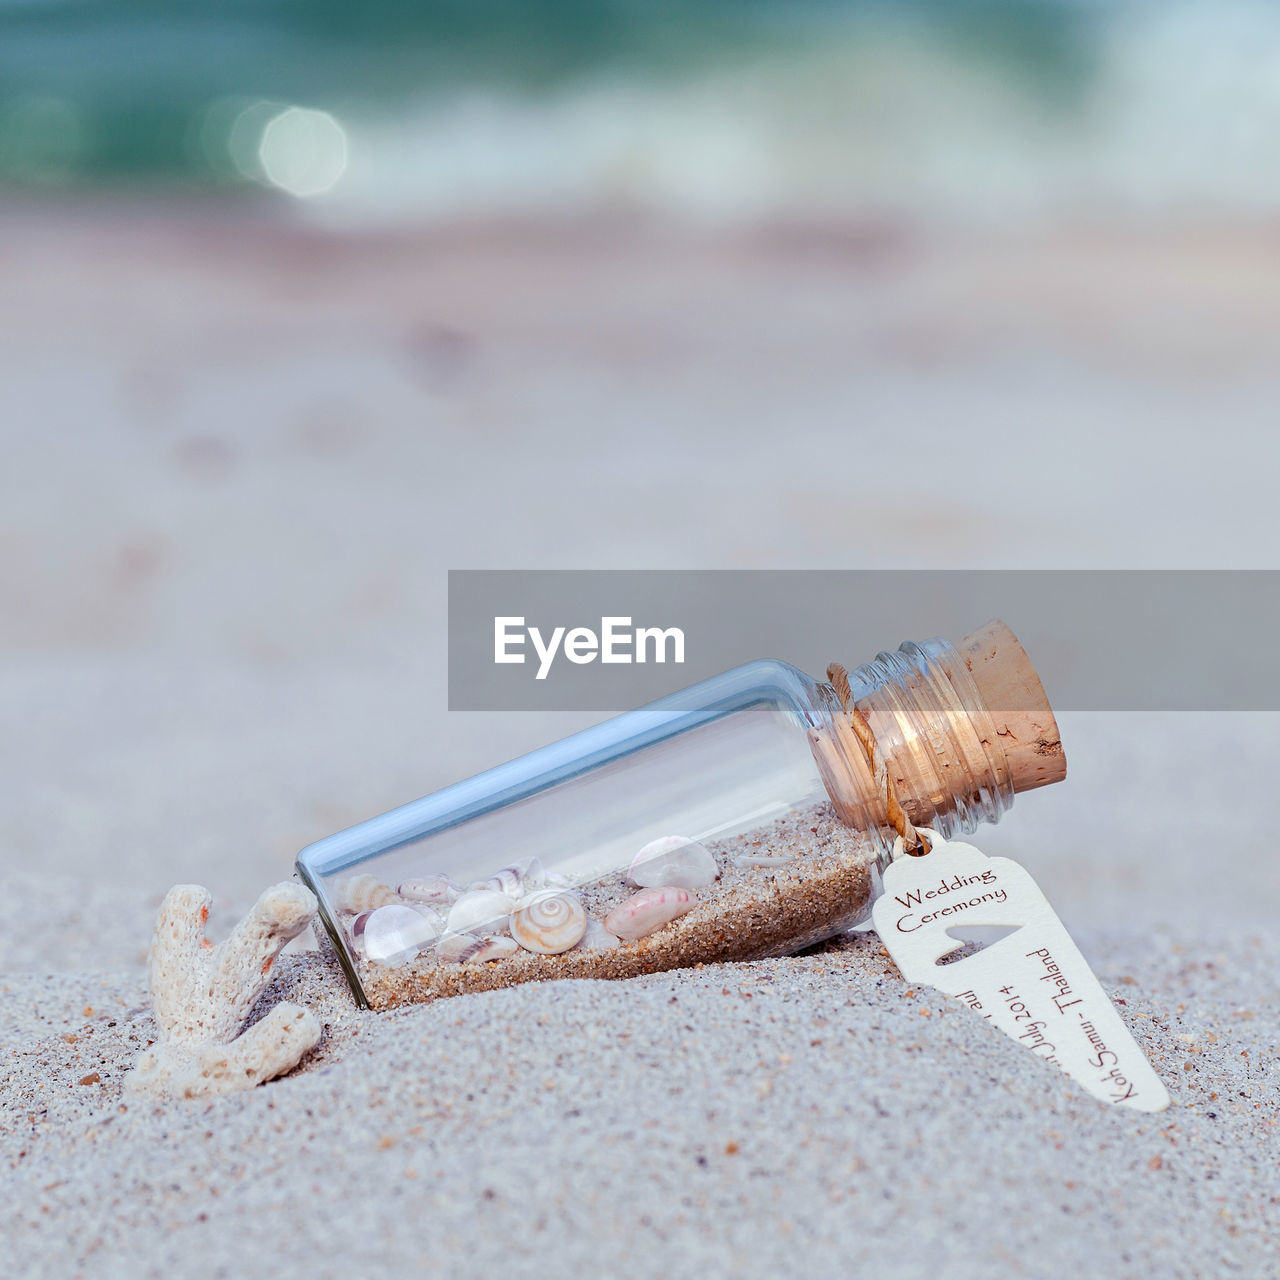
{"x": 365, "y": 893}
{"x": 465, "y": 948}
{"x": 519, "y": 879}
{"x": 646, "y": 911}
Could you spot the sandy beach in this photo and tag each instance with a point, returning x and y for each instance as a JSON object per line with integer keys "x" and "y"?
{"x": 744, "y": 1119}
{"x": 241, "y": 455}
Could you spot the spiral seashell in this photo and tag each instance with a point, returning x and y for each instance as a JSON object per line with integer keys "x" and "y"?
{"x": 596, "y": 938}
{"x": 365, "y": 893}
{"x": 549, "y": 922}
{"x": 646, "y": 911}
{"x": 434, "y": 890}
{"x": 673, "y": 860}
{"x": 482, "y": 911}
{"x": 394, "y": 934}
{"x": 466, "y": 948}
{"x": 762, "y": 860}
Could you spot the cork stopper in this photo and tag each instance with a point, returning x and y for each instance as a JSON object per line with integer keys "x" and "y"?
{"x": 1016, "y": 702}
{"x": 960, "y": 730}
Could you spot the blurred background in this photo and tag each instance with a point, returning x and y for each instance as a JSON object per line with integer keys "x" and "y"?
{"x": 701, "y": 109}
{"x": 303, "y": 304}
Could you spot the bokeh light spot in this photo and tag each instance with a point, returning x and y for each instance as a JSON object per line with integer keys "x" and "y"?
{"x": 244, "y": 138}
{"x": 303, "y": 151}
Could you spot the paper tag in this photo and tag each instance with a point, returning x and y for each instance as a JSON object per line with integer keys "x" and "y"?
{"x": 1033, "y": 984}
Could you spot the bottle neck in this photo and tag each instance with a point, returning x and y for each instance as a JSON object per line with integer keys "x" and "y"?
{"x": 939, "y": 742}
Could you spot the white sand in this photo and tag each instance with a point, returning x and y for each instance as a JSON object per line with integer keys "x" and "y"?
{"x": 238, "y": 462}
{"x": 737, "y": 1119}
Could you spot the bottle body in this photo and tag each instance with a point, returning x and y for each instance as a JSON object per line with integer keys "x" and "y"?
{"x": 733, "y": 820}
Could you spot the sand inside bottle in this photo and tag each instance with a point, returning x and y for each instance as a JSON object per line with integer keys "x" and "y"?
{"x": 820, "y": 885}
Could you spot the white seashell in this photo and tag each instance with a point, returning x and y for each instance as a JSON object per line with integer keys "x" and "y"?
{"x": 549, "y": 922}
{"x": 436, "y": 890}
{"x": 648, "y": 910}
{"x": 365, "y": 893}
{"x": 481, "y": 911}
{"x": 673, "y": 860}
{"x": 466, "y": 948}
{"x": 554, "y": 880}
{"x": 596, "y": 938}
{"x": 763, "y": 859}
{"x": 394, "y": 934}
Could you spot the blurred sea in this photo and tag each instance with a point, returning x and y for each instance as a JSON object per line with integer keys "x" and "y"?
{"x": 706, "y": 109}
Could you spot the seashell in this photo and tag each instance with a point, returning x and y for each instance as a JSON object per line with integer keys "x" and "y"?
{"x": 596, "y": 938}
{"x": 673, "y": 860}
{"x": 505, "y": 881}
{"x": 394, "y": 934}
{"x": 481, "y": 911}
{"x": 763, "y": 859}
{"x": 365, "y": 893}
{"x": 496, "y": 949}
{"x": 554, "y": 880}
{"x": 433, "y": 918}
{"x": 519, "y": 879}
{"x": 455, "y": 947}
{"x": 644, "y": 912}
{"x": 357, "y": 928}
{"x": 549, "y": 922}
{"x": 466, "y": 948}
{"x": 435, "y": 890}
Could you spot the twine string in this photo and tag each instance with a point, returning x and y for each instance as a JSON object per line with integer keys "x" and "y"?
{"x": 911, "y": 839}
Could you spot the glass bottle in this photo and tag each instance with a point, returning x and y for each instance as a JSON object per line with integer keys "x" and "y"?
{"x": 736, "y": 819}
